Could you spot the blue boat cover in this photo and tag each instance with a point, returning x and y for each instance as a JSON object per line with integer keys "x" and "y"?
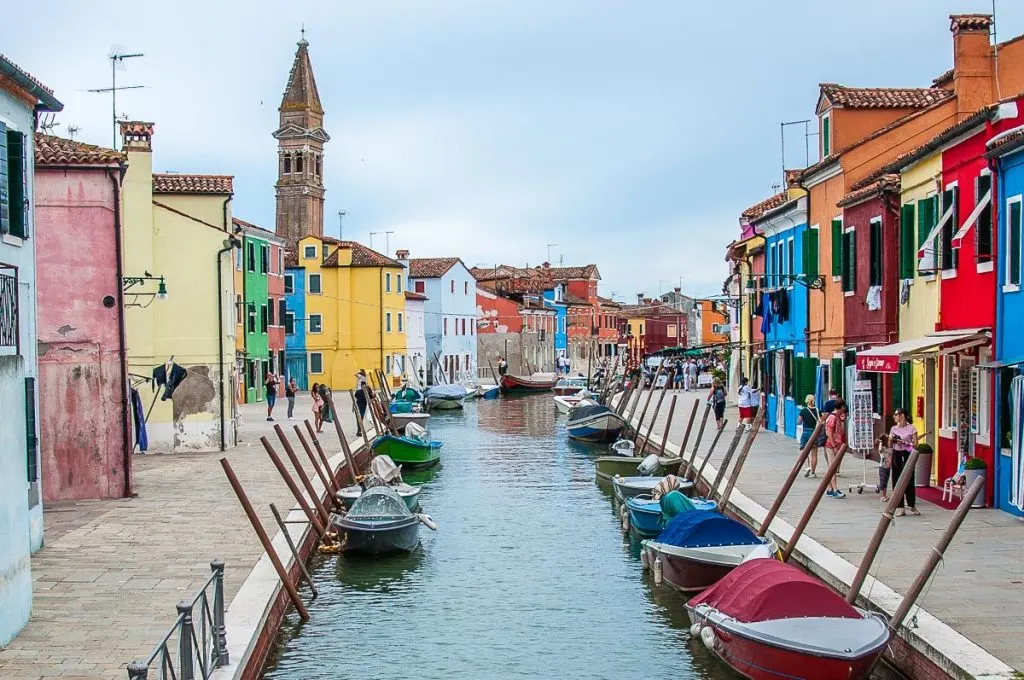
{"x": 704, "y": 528}
{"x": 446, "y": 392}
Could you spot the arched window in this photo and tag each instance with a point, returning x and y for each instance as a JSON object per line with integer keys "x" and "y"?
{"x": 287, "y": 164}
{"x": 298, "y": 162}
{"x": 317, "y": 167}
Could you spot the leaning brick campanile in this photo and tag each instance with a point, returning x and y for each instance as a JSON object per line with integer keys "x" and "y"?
{"x": 300, "y": 150}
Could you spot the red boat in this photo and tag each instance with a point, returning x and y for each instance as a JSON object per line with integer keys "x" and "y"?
{"x": 769, "y": 620}
{"x": 515, "y": 383}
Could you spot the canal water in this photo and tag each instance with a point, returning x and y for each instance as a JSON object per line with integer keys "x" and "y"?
{"x": 528, "y": 575}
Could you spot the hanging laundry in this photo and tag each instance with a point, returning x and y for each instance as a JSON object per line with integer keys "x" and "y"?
{"x": 783, "y": 304}
{"x": 766, "y": 314}
{"x": 139, "y": 417}
{"x": 170, "y": 381}
{"x": 874, "y": 298}
{"x": 905, "y": 291}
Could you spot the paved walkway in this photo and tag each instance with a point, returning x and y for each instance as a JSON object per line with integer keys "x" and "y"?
{"x": 978, "y": 590}
{"x": 107, "y": 581}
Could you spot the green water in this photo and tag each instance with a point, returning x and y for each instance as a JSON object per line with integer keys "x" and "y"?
{"x": 528, "y": 575}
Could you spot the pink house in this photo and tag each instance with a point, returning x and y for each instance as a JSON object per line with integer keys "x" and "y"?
{"x": 85, "y": 435}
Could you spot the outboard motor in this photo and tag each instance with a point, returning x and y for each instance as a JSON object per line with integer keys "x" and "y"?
{"x": 649, "y": 465}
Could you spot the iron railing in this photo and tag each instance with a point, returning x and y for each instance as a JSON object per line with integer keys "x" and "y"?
{"x": 9, "y": 330}
{"x": 196, "y": 644}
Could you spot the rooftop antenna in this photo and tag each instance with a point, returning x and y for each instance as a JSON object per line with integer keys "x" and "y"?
{"x": 48, "y": 123}
{"x": 116, "y": 57}
{"x": 73, "y": 130}
{"x": 807, "y": 145}
{"x": 550, "y": 246}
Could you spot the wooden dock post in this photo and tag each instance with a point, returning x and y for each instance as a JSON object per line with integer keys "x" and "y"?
{"x": 700, "y": 435}
{"x": 668, "y": 425}
{"x": 303, "y": 477}
{"x": 650, "y": 426}
{"x": 310, "y": 515}
{"x": 738, "y": 467}
{"x": 813, "y": 505}
{"x": 320, "y": 452}
{"x": 788, "y": 484}
{"x": 327, "y": 482}
{"x": 720, "y": 475}
{"x": 711, "y": 449}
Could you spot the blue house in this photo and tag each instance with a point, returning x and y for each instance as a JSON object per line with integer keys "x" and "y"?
{"x": 786, "y": 371}
{"x": 555, "y": 299}
{"x": 295, "y": 326}
{"x": 21, "y": 507}
{"x": 1009, "y": 342}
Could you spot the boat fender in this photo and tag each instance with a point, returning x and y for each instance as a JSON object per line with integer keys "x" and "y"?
{"x": 625, "y": 522}
{"x": 695, "y": 630}
{"x": 657, "y": 571}
{"x": 649, "y": 465}
{"x": 707, "y": 636}
{"x": 644, "y": 560}
{"x": 429, "y": 523}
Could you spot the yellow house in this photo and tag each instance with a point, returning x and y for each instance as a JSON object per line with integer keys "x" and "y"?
{"x": 179, "y": 296}
{"x": 740, "y": 254}
{"x": 355, "y": 310}
{"x": 238, "y": 358}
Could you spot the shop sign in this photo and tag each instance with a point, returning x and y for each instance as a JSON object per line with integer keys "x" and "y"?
{"x": 875, "y": 363}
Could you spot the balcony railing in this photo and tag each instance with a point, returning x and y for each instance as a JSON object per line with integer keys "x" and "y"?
{"x": 196, "y": 644}
{"x": 9, "y": 331}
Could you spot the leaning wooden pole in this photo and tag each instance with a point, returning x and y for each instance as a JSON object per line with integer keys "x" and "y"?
{"x": 793, "y": 474}
{"x": 740, "y": 462}
{"x": 668, "y": 426}
{"x": 303, "y": 477}
{"x": 268, "y": 547}
{"x": 935, "y": 556}
{"x": 328, "y": 468}
{"x": 650, "y": 395}
{"x": 638, "y": 389}
{"x": 291, "y": 546}
{"x": 707, "y": 456}
{"x": 360, "y": 423}
{"x": 650, "y": 426}
{"x": 700, "y": 435}
{"x": 813, "y": 505}
{"x": 689, "y": 426}
{"x": 324, "y": 479}
{"x": 299, "y": 498}
{"x": 729, "y": 453}
{"x": 881, "y": 528}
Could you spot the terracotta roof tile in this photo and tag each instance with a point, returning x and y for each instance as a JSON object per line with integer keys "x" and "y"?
{"x": 755, "y": 211}
{"x": 361, "y": 255}
{"x": 867, "y": 190}
{"x": 883, "y": 97}
{"x": 944, "y": 78}
{"x": 1003, "y": 142}
{"x": 173, "y": 183}
{"x": 411, "y": 295}
{"x": 970, "y": 22}
{"x": 570, "y": 299}
{"x": 52, "y": 150}
{"x": 264, "y": 233}
{"x": 657, "y": 309}
{"x": 976, "y": 119}
{"x": 23, "y": 80}
{"x": 431, "y": 267}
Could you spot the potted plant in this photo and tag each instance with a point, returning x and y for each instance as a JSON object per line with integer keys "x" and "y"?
{"x": 975, "y": 467}
{"x": 923, "y": 469}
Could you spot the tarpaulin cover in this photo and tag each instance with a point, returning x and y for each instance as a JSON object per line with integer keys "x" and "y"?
{"x": 584, "y": 412}
{"x": 446, "y": 392}
{"x": 704, "y": 528}
{"x": 766, "y": 590}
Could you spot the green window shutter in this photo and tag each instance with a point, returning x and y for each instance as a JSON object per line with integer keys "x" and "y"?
{"x": 907, "y": 254}
{"x": 1013, "y": 246}
{"x": 811, "y": 254}
{"x": 826, "y": 135}
{"x": 16, "y": 184}
{"x": 850, "y": 261}
{"x": 32, "y": 443}
{"x": 837, "y": 247}
{"x": 836, "y": 376}
{"x": 788, "y": 367}
{"x": 5, "y": 210}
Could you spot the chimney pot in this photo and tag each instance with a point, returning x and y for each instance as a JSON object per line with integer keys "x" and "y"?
{"x": 678, "y": 289}
{"x": 402, "y": 255}
{"x": 136, "y": 135}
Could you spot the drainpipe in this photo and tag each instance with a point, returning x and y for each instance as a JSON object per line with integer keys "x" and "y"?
{"x": 995, "y": 436}
{"x": 231, "y": 243}
{"x": 127, "y": 446}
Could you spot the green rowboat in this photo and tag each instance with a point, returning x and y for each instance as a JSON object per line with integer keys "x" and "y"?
{"x": 609, "y": 466}
{"x": 412, "y": 454}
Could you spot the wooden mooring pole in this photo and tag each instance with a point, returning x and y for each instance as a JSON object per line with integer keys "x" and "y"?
{"x": 310, "y": 515}
{"x": 724, "y": 467}
{"x": 788, "y": 484}
{"x": 707, "y": 456}
{"x": 303, "y": 477}
{"x": 328, "y": 470}
{"x": 686, "y": 434}
{"x": 650, "y": 426}
{"x": 668, "y": 425}
{"x": 291, "y": 546}
{"x": 328, "y": 483}
{"x": 696, "y": 443}
{"x": 813, "y": 505}
{"x": 738, "y": 467}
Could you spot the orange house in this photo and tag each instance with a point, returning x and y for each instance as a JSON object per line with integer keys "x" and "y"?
{"x": 714, "y": 322}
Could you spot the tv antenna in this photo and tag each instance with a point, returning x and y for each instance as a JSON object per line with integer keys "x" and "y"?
{"x": 117, "y": 58}
{"x": 48, "y": 123}
{"x": 550, "y": 246}
{"x": 73, "y": 130}
{"x": 387, "y": 239}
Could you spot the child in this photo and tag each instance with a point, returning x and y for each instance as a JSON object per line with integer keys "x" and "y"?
{"x": 884, "y": 465}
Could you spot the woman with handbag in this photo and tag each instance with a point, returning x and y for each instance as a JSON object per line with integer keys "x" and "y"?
{"x": 808, "y": 419}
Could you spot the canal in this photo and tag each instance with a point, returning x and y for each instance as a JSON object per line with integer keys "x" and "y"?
{"x": 528, "y": 575}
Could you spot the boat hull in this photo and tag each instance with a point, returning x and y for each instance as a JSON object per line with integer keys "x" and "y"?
{"x": 349, "y": 494}
{"x": 512, "y": 383}
{"x": 408, "y": 453}
{"x": 603, "y": 428}
{"x": 689, "y": 576}
{"x": 436, "y": 403}
{"x": 609, "y": 466}
{"x": 488, "y": 391}
{"x": 402, "y": 419}
{"x": 642, "y": 521}
{"x": 379, "y": 537}
{"x": 628, "y": 487}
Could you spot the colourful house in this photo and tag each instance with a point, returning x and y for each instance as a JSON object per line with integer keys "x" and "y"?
{"x": 742, "y": 255}
{"x": 263, "y": 307}
{"x": 295, "y": 323}
{"x": 355, "y": 310}
{"x": 179, "y": 296}
{"x": 555, "y": 298}
{"x": 85, "y": 432}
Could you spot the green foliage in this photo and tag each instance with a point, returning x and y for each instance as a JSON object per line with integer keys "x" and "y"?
{"x": 925, "y": 448}
{"x": 975, "y": 463}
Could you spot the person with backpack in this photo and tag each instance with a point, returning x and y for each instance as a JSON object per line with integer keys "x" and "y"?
{"x": 717, "y": 399}
{"x": 835, "y": 438}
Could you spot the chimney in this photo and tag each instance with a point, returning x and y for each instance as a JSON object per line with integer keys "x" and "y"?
{"x": 639, "y": 298}
{"x": 403, "y": 257}
{"x": 679, "y": 290}
{"x": 546, "y": 265}
{"x": 972, "y": 62}
{"x": 136, "y": 136}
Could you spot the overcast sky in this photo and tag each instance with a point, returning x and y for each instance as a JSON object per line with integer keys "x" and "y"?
{"x": 630, "y": 134}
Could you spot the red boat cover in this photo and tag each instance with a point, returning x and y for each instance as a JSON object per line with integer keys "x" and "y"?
{"x": 766, "y": 589}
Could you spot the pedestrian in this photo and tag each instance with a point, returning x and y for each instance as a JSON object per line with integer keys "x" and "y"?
{"x": 830, "y": 403}
{"x": 270, "y": 384}
{"x": 717, "y": 399}
{"x": 318, "y": 404}
{"x": 808, "y": 418}
{"x": 746, "y": 402}
{"x": 502, "y": 366}
{"x": 289, "y": 393}
{"x": 903, "y": 438}
{"x": 361, "y": 399}
{"x": 328, "y": 409}
{"x": 835, "y": 438}
{"x": 884, "y": 466}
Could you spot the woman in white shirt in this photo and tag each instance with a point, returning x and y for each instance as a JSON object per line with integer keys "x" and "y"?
{"x": 747, "y": 402}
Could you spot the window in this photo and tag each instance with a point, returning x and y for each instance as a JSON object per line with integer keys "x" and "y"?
{"x": 316, "y": 323}
{"x": 446, "y": 326}
{"x": 289, "y": 284}
{"x": 238, "y": 259}
{"x": 419, "y": 286}
{"x": 289, "y": 323}
{"x": 239, "y": 309}
{"x": 948, "y": 377}
{"x": 387, "y": 322}
{"x": 465, "y": 287}
{"x": 810, "y": 254}
{"x": 948, "y": 255}
{"x": 287, "y": 164}
{"x": 298, "y": 162}
{"x": 263, "y": 319}
{"x": 314, "y": 284}
{"x": 387, "y": 282}
{"x": 316, "y": 168}
{"x": 453, "y": 285}
{"x": 791, "y": 258}
{"x": 316, "y": 362}
{"x": 837, "y": 247}
{"x": 270, "y": 312}
{"x": 398, "y": 283}
{"x": 770, "y": 263}
{"x": 324, "y": 251}
{"x": 31, "y": 441}
{"x": 1013, "y": 242}
{"x": 401, "y": 325}
{"x": 826, "y": 135}
{"x": 927, "y": 217}
{"x": 983, "y": 237}
{"x": 875, "y": 252}
{"x": 251, "y": 313}
{"x": 280, "y": 260}
{"x": 309, "y": 252}
{"x": 387, "y": 364}
{"x": 463, "y": 326}
{"x": 641, "y": 329}
{"x": 264, "y": 258}
{"x": 671, "y": 331}
{"x": 849, "y": 251}
{"x": 13, "y": 184}
{"x": 981, "y": 407}
{"x": 250, "y": 256}
{"x": 907, "y": 256}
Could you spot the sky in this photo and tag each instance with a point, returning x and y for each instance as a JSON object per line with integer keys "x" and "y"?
{"x": 630, "y": 135}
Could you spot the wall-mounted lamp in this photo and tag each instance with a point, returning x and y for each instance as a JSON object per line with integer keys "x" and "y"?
{"x": 128, "y": 282}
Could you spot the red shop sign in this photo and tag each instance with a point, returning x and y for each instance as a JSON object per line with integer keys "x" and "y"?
{"x": 878, "y": 363}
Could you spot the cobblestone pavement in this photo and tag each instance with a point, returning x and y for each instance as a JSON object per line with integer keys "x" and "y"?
{"x": 978, "y": 589}
{"x": 107, "y": 580}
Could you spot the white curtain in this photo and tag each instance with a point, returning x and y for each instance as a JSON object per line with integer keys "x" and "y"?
{"x": 1017, "y": 442}
{"x": 780, "y": 390}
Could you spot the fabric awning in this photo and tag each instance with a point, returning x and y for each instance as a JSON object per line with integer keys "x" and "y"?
{"x": 1002, "y": 363}
{"x": 946, "y": 217}
{"x": 887, "y": 358}
{"x": 958, "y": 237}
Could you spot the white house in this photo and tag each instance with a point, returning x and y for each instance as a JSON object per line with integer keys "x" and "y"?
{"x": 415, "y": 367}
{"x": 449, "y": 314}
{"x": 21, "y": 507}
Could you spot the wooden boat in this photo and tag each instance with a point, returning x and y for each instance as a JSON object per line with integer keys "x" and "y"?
{"x": 379, "y": 523}
{"x": 645, "y": 513}
{"x": 409, "y": 452}
{"x": 488, "y": 391}
{"x": 627, "y": 487}
{"x": 769, "y": 620}
{"x": 623, "y": 447}
{"x": 595, "y": 423}
{"x": 609, "y": 466}
{"x": 402, "y": 419}
{"x": 535, "y": 383}
{"x": 699, "y": 548}
{"x": 408, "y": 493}
{"x": 445, "y": 397}
{"x": 567, "y": 386}
{"x": 565, "y": 404}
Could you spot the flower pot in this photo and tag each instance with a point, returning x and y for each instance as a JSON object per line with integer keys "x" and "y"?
{"x": 923, "y": 469}
{"x": 971, "y": 475}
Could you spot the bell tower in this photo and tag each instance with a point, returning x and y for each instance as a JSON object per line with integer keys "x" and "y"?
{"x": 300, "y": 155}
